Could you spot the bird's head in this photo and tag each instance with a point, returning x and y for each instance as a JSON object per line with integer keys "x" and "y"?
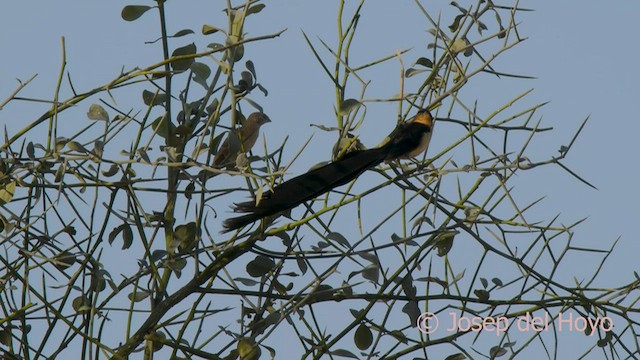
{"x": 424, "y": 117}
{"x": 258, "y": 118}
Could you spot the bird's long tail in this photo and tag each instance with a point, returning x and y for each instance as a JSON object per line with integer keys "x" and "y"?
{"x": 293, "y": 192}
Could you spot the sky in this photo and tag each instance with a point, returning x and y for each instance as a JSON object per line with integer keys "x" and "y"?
{"x": 582, "y": 55}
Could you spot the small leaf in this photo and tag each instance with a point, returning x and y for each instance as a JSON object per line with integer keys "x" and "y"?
{"x": 458, "y": 356}
{"x": 246, "y": 282}
{"x": 444, "y": 241}
{"x": 139, "y": 295}
{"x": 113, "y": 169}
{"x": 31, "y": 151}
{"x": 127, "y": 235}
{"x": 247, "y": 77}
{"x": 249, "y": 65}
{"x": 408, "y": 288}
{"x": 148, "y": 97}
{"x": 248, "y": 349}
{"x": 343, "y": 353}
{"x": 260, "y": 266}
{"x": 97, "y": 112}
{"x": 186, "y": 235}
{"x": 7, "y": 190}
{"x": 456, "y": 23}
{"x": 484, "y": 282}
{"x": 482, "y": 294}
{"x": 63, "y": 260}
{"x": 363, "y": 337}
{"x": 424, "y": 62}
{"x": 81, "y": 304}
{"x": 347, "y": 106}
{"x": 413, "y": 71}
{"x": 399, "y": 335}
{"x": 413, "y": 311}
{"x": 60, "y": 172}
{"x": 302, "y": 264}
{"x": 497, "y": 282}
{"x": 201, "y": 73}
{"x": 420, "y": 220}
{"x": 339, "y": 238}
{"x": 210, "y": 29}
{"x": 255, "y": 9}
{"x": 371, "y": 273}
{"x": 189, "y": 189}
{"x": 183, "y": 64}
{"x": 76, "y": 146}
{"x": 271, "y": 319}
{"x": 5, "y": 337}
{"x": 132, "y": 12}
{"x": 183, "y": 32}
{"x": 159, "y": 125}
{"x": 496, "y": 352}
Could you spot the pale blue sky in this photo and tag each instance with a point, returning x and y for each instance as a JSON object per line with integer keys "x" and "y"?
{"x": 583, "y": 54}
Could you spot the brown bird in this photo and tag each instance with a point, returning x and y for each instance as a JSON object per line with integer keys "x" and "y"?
{"x": 408, "y": 140}
{"x": 240, "y": 142}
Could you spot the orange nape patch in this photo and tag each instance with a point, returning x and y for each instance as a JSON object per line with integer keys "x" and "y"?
{"x": 424, "y": 117}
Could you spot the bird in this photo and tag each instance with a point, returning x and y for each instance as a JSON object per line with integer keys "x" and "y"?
{"x": 407, "y": 140}
{"x": 240, "y": 142}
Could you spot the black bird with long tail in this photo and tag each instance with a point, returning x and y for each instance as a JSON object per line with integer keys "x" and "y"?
{"x": 408, "y": 140}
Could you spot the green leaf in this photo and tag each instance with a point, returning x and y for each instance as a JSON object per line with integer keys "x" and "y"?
{"x": 497, "y": 351}
{"x": 343, "y": 353}
{"x": 81, "y": 304}
{"x": 339, "y": 238}
{"x": 424, "y": 62}
{"x": 260, "y": 266}
{"x": 413, "y": 71}
{"x": 413, "y": 311}
{"x": 183, "y": 32}
{"x": 444, "y": 241}
{"x": 63, "y": 260}
{"x": 458, "y": 356}
{"x": 31, "y": 151}
{"x": 201, "y": 73}
{"x": 348, "y": 105}
{"x": 148, "y": 97}
{"x": 210, "y": 29}
{"x": 112, "y": 170}
{"x": 371, "y": 273}
{"x": 132, "y": 12}
{"x": 248, "y": 349}
{"x": 76, "y": 146}
{"x": 160, "y": 127}
{"x": 97, "y": 112}
{"x": 5, "y": 337}
{"x": 249, "y": 65}
{"x": 183, "y": 64}
{"x": 255, "y": 9}
{"x": 139, "y": 295}
{"x": 186, "y": 235}
{"x": 7, "y": 191}
{"x": 127, "y": 235}
{"x": 246, "y": 282}
{"x": 483, "y": 295}
{"x": 363, "y": 337}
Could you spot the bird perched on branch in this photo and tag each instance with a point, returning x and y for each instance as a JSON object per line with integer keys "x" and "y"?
{"x": 408, "y": 140}
{"x": 240, "y": 142}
